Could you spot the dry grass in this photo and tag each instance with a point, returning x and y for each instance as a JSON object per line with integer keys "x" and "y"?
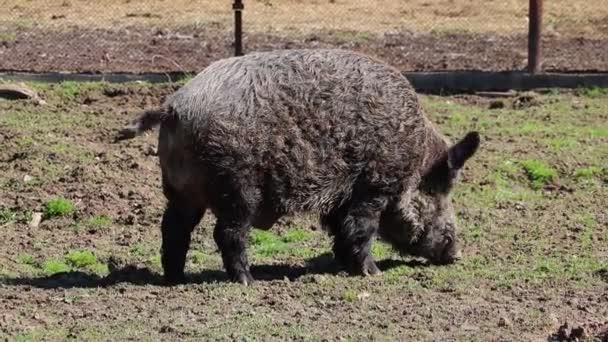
{"x": 289, "y": 16}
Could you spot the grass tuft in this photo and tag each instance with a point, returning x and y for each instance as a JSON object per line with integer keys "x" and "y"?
{"x": 296, "y": 235}
{"x": 593, "y": 92}
{"x": 57, "y": 206}
{"x": 26, "y": 259}
{"x": 587, "y": 172}
{"x": 81, "y": 258}
{"x": 538, "y": 172}
{"x": 349, "y": 296}
{"x": 7, "y": 216}
{"x": 53, "y": 266}
{"x": 99, "y": 221}
{"x": 268, "y": 244}
{"x": 198, "y": 257}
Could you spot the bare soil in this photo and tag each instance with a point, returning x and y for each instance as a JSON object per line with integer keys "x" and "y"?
{"x": 190, "y": 49}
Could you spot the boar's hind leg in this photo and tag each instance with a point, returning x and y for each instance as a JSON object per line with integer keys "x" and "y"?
{"x": 353, "y": 226}
{"x": 230, "y": 234}
{"x": 177, "y": 225}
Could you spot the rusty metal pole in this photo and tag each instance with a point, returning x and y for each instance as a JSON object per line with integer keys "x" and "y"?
{"x": 238, "y": 7}
{"x": 534, "y": 35}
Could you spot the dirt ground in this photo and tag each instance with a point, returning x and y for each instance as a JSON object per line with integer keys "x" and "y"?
{"x": 192, "y": 49}
{"x": 164, "y": 36}
{"x": 531, "y": 206}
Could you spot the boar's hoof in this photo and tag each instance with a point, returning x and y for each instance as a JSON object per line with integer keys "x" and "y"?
{"x": 366, "y": 268}
{"x": 172, "y": 280}
{"x": 370, "y": 269}
{"x": 244, "y": 278}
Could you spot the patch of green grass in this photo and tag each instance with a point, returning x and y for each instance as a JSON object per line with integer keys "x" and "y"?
{"x": 52, "y": 266}
{"x": 381, "y": 250}
{"x": 586, "y": 237}
{"x": 7, "y": 36}
{"x": 349, "y": 296}
{"x": 397, "y": 274}
{"x": 155, "y": 261}
{"x": 504, "y": 186}
{"x": 508, "y": 168}
{"x": 81, "y": 258}
{"x": 39, "y": 333}
{"x": 57, "y": 206}
{"x": 473, "y": 232}
{"x": 26, "y": 259}
{"x": 99, "y": 221}
{"x": 536, "y": 270}
{"x": 70, "y": 90}
{"x": 296, "y": 235}
{"x": 538, "y": 172}
{"x": 531, "y": 127}
{"x": 593, "y": 92}
{"x": 267, "y": 244}
{"x": 187, "y": 78}
{"x": 598, "y": 131}
{"x": 99, "y": 268}
{"x": 139, "y": 249}
{"x": 587, "y": 172}
{"x": 24, "y": 337}
{"x": 197, "y": 257}
{"x": 563, "y": 142}
{"x": 10, "y": 216}
{"x": 7, "y": 216}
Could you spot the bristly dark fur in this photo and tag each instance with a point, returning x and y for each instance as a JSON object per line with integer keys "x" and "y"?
{"x": 256, "y": 137}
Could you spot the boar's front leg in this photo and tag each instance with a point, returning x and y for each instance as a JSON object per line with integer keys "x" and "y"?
{"x": 353, "y": 225}
{"x": 177, "y": 225}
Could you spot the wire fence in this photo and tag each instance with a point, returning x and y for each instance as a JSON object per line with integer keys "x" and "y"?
{"x": 137, "y": 36}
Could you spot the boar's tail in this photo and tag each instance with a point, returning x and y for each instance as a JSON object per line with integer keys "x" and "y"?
{"x": 146, "y": 121}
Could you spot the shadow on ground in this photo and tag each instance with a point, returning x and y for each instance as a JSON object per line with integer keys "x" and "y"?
{"x": 136, "y": 275}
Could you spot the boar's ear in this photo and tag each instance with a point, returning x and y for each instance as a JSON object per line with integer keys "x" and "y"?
{"x": 440, "y": 177}
{"x": 460, "y": 152}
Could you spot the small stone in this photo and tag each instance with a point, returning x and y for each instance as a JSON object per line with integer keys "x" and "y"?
{"x": 363, "y": 295}
{"x": 35, "y": 221}
{"x": 318, "y": 278}
{"x": 504, "y": 322}
{"x": 27, "y": 178}
{"x": 553, "y": 319}
{"x": 152, "y": 151}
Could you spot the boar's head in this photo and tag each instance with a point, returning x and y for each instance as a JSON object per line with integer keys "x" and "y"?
{"x": 422, "y": 223}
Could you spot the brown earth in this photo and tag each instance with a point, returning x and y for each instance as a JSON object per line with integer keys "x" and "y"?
{"x": 188, "y": 49}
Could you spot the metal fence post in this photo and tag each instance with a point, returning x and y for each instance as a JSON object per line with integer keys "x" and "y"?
{"x": 534, "y": 35}
{"x": 238, "y": 7}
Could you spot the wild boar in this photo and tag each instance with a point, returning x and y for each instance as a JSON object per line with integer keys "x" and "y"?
{"x": 329, "y": 131}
